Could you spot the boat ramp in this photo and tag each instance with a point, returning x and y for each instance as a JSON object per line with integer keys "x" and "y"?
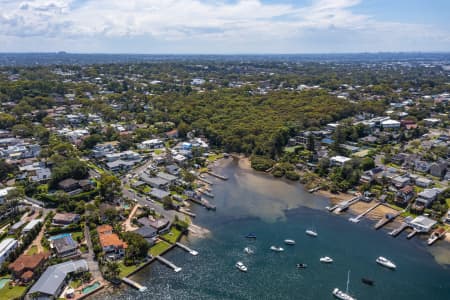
{"x": 168, "y": 263}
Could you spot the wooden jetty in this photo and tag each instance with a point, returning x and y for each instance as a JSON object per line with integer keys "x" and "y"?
{"x": 203, "y": 202}
{"x": 186, "y": 248}
{"x": 411, "y": 234}
{"x": 134, "y": 284}
{"x": 386, "y": 219}
{"x": 205, "y": 180}
{"x": 168, "y": 263}
{"x": 206, "y": 193}
{"x": 314, "y": 189}
{"x": 344, "y": 205}
{"x": 188, "y": 213}
{"x": 398, "y": 230}
{"x": 403, "y": 226}
{"x": 360, "y": 216}
{"x": 217, "y": 175}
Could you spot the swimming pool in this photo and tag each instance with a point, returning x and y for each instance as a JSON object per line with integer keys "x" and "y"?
{"x": 58, "y": 236}
{"x": 4, "y": 281}
{"x": 91, "y": 287}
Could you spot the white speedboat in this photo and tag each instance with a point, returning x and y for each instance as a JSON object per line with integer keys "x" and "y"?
{"x": 326, "y": 259}
{"x": 241, "y": 267}
{"x": 248, "y": 250}
{"x": 341, "y": 294}
{"x": 386, "y": 262}
{"x": 311, "y": 232}
{"x": 289, "y": 242}
{"x": 276, "y": 249}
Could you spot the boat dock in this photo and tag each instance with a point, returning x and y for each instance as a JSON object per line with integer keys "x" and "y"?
{"x": 386, "y": 219}
{"x": 398, "y": 230}
{"x": 217, "y": 175}
{"x": 206, "y": 193}
{"x": 205, "y": 180}
{"x": 344, "y": 205}
{"x": 188, "y": 213}
{"x": 203, "y": 202}
{"x": 186, "y": 248}
{"x": 411, "y": 234}
{"x": 134, "y": 284}
{"x": 314, "y": 189}
{"x": 403, "y": 226}
{"x": 168, "y": 263}
{"x": 360, "y": 216}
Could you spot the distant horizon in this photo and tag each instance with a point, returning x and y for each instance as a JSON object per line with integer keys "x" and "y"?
{"x": 227, "y": 54}
{"x": 224, "y": 27}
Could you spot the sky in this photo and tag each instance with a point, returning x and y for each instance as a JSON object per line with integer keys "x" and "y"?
{"x": 224, "y": 26}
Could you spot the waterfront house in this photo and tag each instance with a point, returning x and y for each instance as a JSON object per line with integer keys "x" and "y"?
{"x": 148, "y": 233}
{"x": 63, "y": 219}
{"x": 422, "y": 224}
{"x": 53, "y": 280}
{"x": 25, "y": 266}
{"x": 7, "y": 246}
{"x": 404, "y": 195}
{"x": 64, "y": 246}
{"x": 110, "y": 241}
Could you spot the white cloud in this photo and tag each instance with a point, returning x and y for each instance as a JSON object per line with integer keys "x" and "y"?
{"x": 244, "y": 21}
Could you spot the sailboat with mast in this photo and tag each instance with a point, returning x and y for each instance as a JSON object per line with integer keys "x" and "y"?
{"x": 341, "y": 294}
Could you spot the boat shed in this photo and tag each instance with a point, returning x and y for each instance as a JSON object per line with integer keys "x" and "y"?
{"x": 422, "y": 224}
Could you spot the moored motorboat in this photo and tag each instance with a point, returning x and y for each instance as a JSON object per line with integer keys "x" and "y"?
{"x": 326, "y": 259}
{"x": 435, "y": 235}
{"x": 289, "y": 242}
{"x": 276, "y": 249}
{"x": 302, "y": 266}
{"x": 311, "y": 232}
{"x": 241, "y": 267}
{"x": 251, "y": 236}
{"x": 367, "y": 281}
{"x": 383, "y": 261}
{"x": 248, "y": 250}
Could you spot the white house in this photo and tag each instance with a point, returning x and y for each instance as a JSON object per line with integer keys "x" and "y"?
{"x": 339, "y": 160}
{"x": 392, "y": 124}
{"x": 6, "y": 247}
{"x": 4, "y": 192}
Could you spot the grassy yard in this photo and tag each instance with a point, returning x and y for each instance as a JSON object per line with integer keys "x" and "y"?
{"x": 215, "y": 157}
{"x": 33, "y": 250}
{"x": 77, "y": 234}
{"x": 75, "y": 283}
{"x": 172, "y": 236}
{"x": 7, "y": 293}
{"x": 159, "y": 248}
{"x": 127, "y": 270}
{"x": 158, "y": 151}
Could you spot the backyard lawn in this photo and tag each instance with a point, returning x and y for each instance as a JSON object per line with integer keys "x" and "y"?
{"x": 172, "y": 236}
{"x": 159, "y": 248}
{"x": 7, "y": 293}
